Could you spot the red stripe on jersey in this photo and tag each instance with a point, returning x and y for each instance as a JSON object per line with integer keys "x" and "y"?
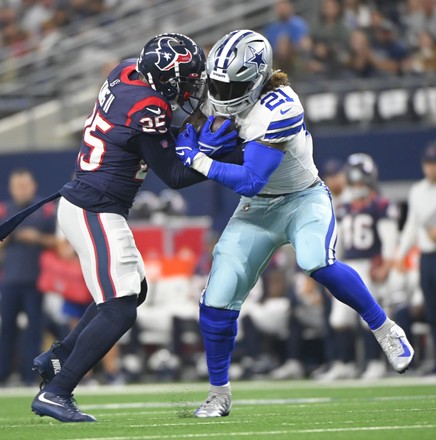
{"x": 95, "y": 254}
{"x": 108, "y": 255}
{"x": 150, "y": 100}
{"x": 126, "y": 72}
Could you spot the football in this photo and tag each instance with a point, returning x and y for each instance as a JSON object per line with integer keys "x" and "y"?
{"x": 198, "y": 118}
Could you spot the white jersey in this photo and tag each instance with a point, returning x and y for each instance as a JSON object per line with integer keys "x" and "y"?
{"x": 278, "y": 117}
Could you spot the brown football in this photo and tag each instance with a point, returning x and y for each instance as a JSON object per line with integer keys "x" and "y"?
{"x": 198, "y": 118}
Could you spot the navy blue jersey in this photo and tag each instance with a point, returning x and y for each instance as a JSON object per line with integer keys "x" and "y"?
{"x": 110, "y": 166}
{"x": 359, "y": 231}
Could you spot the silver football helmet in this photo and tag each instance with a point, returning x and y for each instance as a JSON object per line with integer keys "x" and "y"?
{"x": 238, "y": 67}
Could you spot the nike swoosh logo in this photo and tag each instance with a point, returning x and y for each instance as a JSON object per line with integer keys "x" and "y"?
{"x": 283, "y": 112}
{"x": 406, "y": 352}
{"x": 42, "y": 398}
{"x": 180, "y": 150}
{"x": 156, "y": 112}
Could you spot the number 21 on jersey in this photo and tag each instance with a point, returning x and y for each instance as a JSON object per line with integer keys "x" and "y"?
{"x": 94, "y": 124}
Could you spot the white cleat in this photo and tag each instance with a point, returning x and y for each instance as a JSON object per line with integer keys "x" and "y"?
{"x": 396, "y": 347}
{"x": 216, "y": 405}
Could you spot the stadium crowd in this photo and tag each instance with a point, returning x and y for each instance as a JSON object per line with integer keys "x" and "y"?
{"x": 345, "y": 39}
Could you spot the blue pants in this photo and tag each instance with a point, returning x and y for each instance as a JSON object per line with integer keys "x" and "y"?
{"x": 16, "y": 299}
{"x": 258, "y": 227}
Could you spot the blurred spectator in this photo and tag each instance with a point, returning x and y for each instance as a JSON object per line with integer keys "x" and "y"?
{"x": 35, "y": 14}
{"x": 357, "y": 14}
{"x": 362, "y": 61}
{"x": 334, "y": 176}
{"x": 423, "y": 58}
{"x": 331, "y": 28}
{"x": 288, "y": 59}
{"x": 19, "y": 293}
{"x": 390, "y": 54}
{"x": 420, "y": 230}
{"x": 287, "y": 25}
{"x": 419, "y": 16}
{"x": 322, "y": 61}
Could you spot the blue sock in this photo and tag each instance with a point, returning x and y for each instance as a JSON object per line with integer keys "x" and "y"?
{"x": 112, "y": 320}
{"x": 346, "y": 285}
{"x": 219, "y": 328}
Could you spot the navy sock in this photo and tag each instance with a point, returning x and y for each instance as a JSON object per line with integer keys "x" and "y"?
{"x": 347, "y": 286}
{"x": 67, "y": 345}
{"x": 219, "y": 328}
{"x": 112, "y": 320}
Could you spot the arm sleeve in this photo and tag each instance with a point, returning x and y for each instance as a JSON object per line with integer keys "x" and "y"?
{"x": 260, "y": 161}
{"x": 159, "y": 154}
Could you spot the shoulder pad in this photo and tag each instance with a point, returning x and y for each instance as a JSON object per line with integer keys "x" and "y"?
{"x": 150, "y": 115}
{"x": 277, "y": 117}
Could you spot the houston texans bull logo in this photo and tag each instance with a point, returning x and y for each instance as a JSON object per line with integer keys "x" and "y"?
{"x": 170, "y": 52}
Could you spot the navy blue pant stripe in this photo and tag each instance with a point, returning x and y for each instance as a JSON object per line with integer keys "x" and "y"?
{"x": 102, "y": 254}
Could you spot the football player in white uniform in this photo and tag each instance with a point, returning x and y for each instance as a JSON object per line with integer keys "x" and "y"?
{"x": 283, "y": 201}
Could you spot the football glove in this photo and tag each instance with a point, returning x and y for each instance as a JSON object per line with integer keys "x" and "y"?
{"x": 187, "y": 146}
{"x": 217, "y": 143}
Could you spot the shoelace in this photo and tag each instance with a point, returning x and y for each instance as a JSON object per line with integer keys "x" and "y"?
{"x": 391, "y": 344}
{"x": 70, "y": 404}
{"x": 210, "y": 401}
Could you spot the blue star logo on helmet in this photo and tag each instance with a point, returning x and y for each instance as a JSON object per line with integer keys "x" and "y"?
{"x": 168, "y": 55}
{"x": 257, "y": 57}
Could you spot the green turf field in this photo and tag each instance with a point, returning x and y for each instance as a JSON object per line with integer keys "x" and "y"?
{"x": 400, "y": 409}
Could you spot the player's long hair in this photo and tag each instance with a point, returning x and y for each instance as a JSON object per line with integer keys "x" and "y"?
{"x": 277, "y": 79}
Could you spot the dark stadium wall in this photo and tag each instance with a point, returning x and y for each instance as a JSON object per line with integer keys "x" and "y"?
{"x": 397, "y": 153}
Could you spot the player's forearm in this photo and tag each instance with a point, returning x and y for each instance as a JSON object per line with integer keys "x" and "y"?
{"x": 248, "y": 179}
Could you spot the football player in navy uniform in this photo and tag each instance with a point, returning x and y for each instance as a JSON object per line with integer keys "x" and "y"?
{"x": 368, "y": 236}
{"x": 127, "y": 132}
{"x": 283, "y": 201}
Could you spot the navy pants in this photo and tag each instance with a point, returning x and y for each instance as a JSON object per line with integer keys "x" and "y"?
{"x": 428, "y": 286}
{"x": 16, "y": 299}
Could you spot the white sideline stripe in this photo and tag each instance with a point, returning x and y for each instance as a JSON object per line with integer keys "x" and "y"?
{"x": 257, "y": 433}
{"x": 246, "y": 402}
{"x": 293, "y": 385}
{"x": 180, "y": 405}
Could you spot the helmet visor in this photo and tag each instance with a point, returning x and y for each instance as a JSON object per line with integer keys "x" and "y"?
{"x": 223, "y": 91}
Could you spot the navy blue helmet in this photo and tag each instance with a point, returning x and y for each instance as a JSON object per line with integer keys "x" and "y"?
{"x": 174, "y": 65}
